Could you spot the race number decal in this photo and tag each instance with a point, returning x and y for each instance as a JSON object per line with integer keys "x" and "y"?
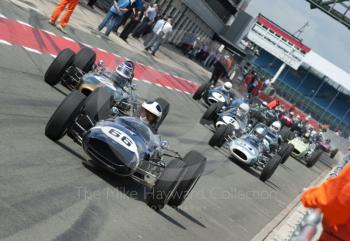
{"x": 120, "y": 137}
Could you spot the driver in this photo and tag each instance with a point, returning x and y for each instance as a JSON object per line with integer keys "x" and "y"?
{"x": 226, "y": 88}
{"x": 150, "y": 113}
{"x": 276, "y": 126}
{"x": 124, "y": 74}
{"x": 259, "y": 132}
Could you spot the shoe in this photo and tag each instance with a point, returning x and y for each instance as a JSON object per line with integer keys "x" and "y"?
{"x": 153, "y": 53}
{"x": 59, "y": 27}
{"x": 52, "y": 23}
{"x": 147, "y": 49}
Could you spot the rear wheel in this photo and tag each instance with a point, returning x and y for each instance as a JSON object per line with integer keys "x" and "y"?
{"x": 314, "y": 158}
{"x": 200, "y": 91}
{"x": 195, "y": 164}
{"x": 58, "y": 66}
{"x": 85, "y": 59}
{"x": 285, "y": 151}
{"x": 218, "y": 139}
{"x": 64, "y": 116}
{"x": 270, "y": 168}
{"x": 285, "y": 133}
{"x": 333, "y": 153}
{"x": 165, "y": 110}
{"x": 166, "y": 185}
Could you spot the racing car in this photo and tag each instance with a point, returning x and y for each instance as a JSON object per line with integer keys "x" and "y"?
{"x": 211, "y": 94}
{"x": 306, "y": 149}
{"x": 326, "y": 146}
{"x": 127, "y": 146}
{"x": 78, "y": 72}
{"x": 253, "y": 150}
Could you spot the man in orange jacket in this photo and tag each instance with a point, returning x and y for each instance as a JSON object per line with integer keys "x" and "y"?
{"x": 59, "y": 9}
{"x": 333, "y": 199}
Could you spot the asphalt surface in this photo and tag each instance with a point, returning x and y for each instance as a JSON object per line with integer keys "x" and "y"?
{"x": 47, "y": 194}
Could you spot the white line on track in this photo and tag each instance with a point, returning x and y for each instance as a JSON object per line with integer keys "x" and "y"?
{"x": 67, "y": 38}
{"x": 102, "y": 50}
{"x": 48, "y": 32}
{"x": 24, "y": 23}
{"x": 169, "y": 88}
{"x": 87, "y": 45}
{"x": 33, "y": 50}
{"x": 187, "y": 92}
{"x": 147, "y": 82}
{"x": 159, "y": 85}
{"x": 54, "y": 56}
{"x": 5, "y": 42}
{"x": 116, "y": 55}
{"x": 2, "y": 16}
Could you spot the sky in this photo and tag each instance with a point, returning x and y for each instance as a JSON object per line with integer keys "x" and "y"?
{"x": 324, "y": 35}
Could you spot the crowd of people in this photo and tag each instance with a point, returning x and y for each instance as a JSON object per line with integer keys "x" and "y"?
{"x": 139, "y": 18}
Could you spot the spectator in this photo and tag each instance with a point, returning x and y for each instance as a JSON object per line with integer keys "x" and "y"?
{"x": 253, "y": 83}
{"x": 333, "y": 199}
{"x": 161, "y": 31}
{"x": 211, "y": 57}
{"x": 59, "y": 9}
{"x": 134, "y": 21}
{"x": 148, "y": 19}
{"x": 219, "y": 71}
{"x": 131, "y": 11}
{"x": 258, "y": 87}
{"x": 91, "y": 3}
{"x": 115, "y": 14}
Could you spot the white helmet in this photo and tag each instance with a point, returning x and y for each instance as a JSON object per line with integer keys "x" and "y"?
{"x": 259, "y": 132}
{"x": 228, "y": 86}
{"x": 153, "y": 107}
{"x": 243, "y": 108}
{"x": 276, "y": 126}
{"x": 291, "y": 113}
{"x": 307, "y": 118}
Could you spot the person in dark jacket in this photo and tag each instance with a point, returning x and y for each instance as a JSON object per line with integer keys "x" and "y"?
{"x": 130, "y": 27}
{"x": 219, "y": 71}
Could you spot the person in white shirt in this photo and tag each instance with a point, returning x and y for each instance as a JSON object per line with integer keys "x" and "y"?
{"x": 161, "y": 31}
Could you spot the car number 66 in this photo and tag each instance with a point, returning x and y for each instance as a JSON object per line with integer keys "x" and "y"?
{"x": 120, "y": 136}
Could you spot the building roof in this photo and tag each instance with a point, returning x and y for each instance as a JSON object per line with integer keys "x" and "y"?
{"x": 284, "y": 33}
{"x": 336, "y": 75}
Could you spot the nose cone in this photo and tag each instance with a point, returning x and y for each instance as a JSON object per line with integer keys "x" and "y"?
{"x": 114, "y": 152}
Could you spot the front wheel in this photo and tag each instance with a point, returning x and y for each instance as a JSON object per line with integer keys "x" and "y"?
{"x": 270, "y": 168}
{"x": 64, "y": 116}
{"x": 211, "y": 112}
{"x": 314, "y": 158}
{"x": 200, "y": 91}
{"x": 166, "y": 185}
{"x": 333, "y": 153}
{"x": 218, "y": 139}
{"x": 194, "y": 164}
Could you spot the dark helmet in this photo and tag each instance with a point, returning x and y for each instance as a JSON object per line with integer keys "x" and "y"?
{"x": 126, "y": 70}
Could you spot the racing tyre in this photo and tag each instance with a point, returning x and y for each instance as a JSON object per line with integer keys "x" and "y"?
{"x": 98, "y": 104}
{"x": 195, "y": 164}
{"x": 285, "y": 152}
{"x": 218, "y": 139}
{"x": 285, "y": 133}
{"x": 166, "y": 185}
{"x": 270, "y": 168}
{"x": 314, "y": 158}
{"x": 85, "y": 59}
{"x": 211, "y": 112}
{"x": 56, "y": 69}
{"x": 333, "y": 153}
{"x": 200, "y": 91}
{"x": 63, "y": 118}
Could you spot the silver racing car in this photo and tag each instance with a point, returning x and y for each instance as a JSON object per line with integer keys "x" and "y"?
{"x": 127, "y": 146}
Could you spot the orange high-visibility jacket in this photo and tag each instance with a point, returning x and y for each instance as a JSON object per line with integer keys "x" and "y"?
{"x": 333, "y": 198}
